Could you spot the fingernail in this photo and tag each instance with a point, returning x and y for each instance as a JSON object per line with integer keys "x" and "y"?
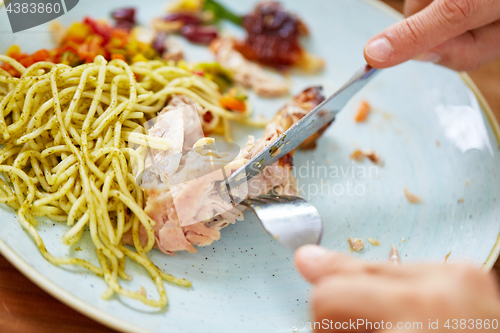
{"x": 428, "y": 57}
{"x": 379, "y": 49}
{"x": 312, "y": 252}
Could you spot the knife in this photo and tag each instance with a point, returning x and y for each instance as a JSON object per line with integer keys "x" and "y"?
{"x": 315, "y": 120}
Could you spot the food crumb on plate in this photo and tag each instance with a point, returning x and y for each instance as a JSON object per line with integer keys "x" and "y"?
{"x": 438, "y": 144}
{"x": 355, "y": 244}
{"x": 78, "y": 249}
{"x": 363, "y": 111}
{"x": 359, "y": 155}
{"x": 466, "y": 183}
{"x": 412, "y": 198}
{"x": 394, "y": 257}
{"x": 461, "y": 200}
{"x": 387, "y": 116}
{"x": 142, "y": 291}
{"x": 373, "y": 241}
{"x": 403, "y": 240}
{"x": 446, "y": 257}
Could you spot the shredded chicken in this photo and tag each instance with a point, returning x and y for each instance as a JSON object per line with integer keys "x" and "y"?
{"x": 166, "y": 26}
{"x": 143, "y": 34}
{"x": 173, "y": 50}
{"x": 189, "y": 211}
{"x": 247, "y": 73}
{"x": 58, "y": 31}
{"x": 355, "y": 244}
{"x": 208, "y": 119}
{"x": 298, "y": 108}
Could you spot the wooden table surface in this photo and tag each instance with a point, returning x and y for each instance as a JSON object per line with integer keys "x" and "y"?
{"x": 26, "y": 308}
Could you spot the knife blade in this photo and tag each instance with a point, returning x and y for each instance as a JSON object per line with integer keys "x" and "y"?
{"x": 316, "y": 119}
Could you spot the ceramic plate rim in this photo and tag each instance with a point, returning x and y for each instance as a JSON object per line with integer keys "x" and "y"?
{"x": 116, "y": 323}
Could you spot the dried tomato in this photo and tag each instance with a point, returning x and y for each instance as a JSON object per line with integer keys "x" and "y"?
{"x": 199, "y": 34}
{"x": 208, "y": 117}
{"x": 273, "y": 36}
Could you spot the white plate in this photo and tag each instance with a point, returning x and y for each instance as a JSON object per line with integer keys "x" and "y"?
{"x": 247, "y": 282}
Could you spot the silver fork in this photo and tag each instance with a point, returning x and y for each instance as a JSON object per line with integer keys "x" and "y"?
{"x": 290, "y": 220}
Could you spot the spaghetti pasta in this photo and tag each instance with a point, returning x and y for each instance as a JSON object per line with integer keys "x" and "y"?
{"x": 65, "y": 132}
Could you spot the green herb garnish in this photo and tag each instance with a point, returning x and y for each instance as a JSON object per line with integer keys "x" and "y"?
{"x": 222, "y": 13}
{"x": 215, "y": 72}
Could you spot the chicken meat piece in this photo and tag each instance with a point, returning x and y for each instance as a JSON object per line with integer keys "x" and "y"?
{"x": 248, "y": 74}
{"x": 208, "y": 120}
{"x": 58, "y": 31}
{"x": 189, "y": 212}
{"x": 173, "y": 50}
{"x": 298, "y": 108}
{"x": 355, "y": 244}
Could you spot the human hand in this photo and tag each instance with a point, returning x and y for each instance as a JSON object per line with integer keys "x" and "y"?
{"x": 346, "y": 289}
{"x": 459, "y": 34}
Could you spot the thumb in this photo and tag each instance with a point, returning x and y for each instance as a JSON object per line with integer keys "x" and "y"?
{"x": 315, "y": 262}
{"x": 435, "y": 24}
